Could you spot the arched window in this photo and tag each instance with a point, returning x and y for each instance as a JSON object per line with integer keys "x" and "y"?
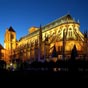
{"x": 70, "y": 29}
{"x": 71, "y": 33}
{"x": 12, "y": 36}
{"x": 64, "y": 30}
{"x": 75, "y": 29}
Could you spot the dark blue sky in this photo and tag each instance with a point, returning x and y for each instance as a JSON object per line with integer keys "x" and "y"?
{"x": 22, "y": 14}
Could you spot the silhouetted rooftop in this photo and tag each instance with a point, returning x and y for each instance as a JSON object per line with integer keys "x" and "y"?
{"x": 66, "y": 17}
{"x": 11, "y": 29}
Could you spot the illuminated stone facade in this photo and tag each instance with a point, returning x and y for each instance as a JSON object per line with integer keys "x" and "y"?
{"x": 32, "y": 47}
{"x": 10, "y": 44}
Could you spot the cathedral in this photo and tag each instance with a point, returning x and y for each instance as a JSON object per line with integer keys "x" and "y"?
{"x": 62, "y": 33}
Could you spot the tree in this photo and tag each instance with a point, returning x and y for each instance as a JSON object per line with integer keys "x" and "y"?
{"x": 54, "y": 53}
{"x": 2, "y": 65}
{"x": 74, "y": 52}
{"x": 85, "y": 44}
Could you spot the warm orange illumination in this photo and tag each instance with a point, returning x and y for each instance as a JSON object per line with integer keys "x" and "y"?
{"x": 52, "y": 34}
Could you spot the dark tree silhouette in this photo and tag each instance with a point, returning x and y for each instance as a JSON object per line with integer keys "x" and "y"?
{"x": 54, "y": 53}
{"x": 74, "y": 53}
{"x": 2, "y": 65}
{"x": 85, "y": 34}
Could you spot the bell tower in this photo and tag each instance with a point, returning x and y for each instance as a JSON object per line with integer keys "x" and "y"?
{"x": 10, "y": 39}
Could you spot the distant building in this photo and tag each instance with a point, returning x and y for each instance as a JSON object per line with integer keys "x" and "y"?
{"x": 64, "y": 33}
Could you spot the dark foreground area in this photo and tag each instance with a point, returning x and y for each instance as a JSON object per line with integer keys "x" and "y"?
{"x": 42, "y": 75}
{"x": 43, "y": 72}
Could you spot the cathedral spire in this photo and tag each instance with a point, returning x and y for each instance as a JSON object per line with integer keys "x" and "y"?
{"x": 11, "y": 29}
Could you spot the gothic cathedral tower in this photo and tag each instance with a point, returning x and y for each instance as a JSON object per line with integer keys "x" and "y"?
{"x": 10, "y": 39}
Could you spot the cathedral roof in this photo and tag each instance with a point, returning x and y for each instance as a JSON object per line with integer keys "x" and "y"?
{"x": 11, "y": 29}
{"x": 64, "y": 19}
{"x": 67, "y": 18}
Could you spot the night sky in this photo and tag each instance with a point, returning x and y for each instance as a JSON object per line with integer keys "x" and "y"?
{"x": 23, "y": 14}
